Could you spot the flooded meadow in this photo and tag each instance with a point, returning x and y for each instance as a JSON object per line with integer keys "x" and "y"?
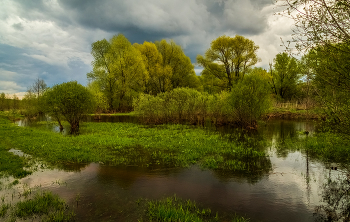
{"x": 291, "y": 185}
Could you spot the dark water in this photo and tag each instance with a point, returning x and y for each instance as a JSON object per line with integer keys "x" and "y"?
{"x": 290, "y": 192}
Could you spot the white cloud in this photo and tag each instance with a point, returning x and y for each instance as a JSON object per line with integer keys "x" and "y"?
{"x": 10, "y": 87}
{"x": 270, "y": 41}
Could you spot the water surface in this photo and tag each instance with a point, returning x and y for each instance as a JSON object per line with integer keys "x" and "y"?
{"x": 291, "y": 191}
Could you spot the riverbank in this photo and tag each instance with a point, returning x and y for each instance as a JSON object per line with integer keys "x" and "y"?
{"x": 290, "y": 114}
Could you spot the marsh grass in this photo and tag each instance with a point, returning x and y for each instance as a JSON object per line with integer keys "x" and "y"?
{"x": 13, "y": 165}
{"x": 176, "y": 209}
{"x": 44, "y": 205}
{"x": 133, "y": 144}
{"x": 329, "y": 147}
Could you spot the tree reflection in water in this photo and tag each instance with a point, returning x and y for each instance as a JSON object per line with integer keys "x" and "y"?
{"x": 336, "y": 199}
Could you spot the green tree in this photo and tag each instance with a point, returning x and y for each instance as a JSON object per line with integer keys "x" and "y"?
{"x": 69, "y": 100}
{"x": 321, "y": 29}
{"x": 38, "y": 88}
{"x": 101, "y": 101}
{"x": 182, "y": 70}
{"x": 2, "y": 101}
{"x": 15, "y": 102}
{"x": 331, "y": 76}
{"x": 285, "y": 76}
{"x": 32, "y": 99}
{"x": 250, "y": 98}
{"x": 119, "y": 69}
{"x": 159, "y": 75}
{"x": 7, "y": 102}
{"x": 228, "y": 59}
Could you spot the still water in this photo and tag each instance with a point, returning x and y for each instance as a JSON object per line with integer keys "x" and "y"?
{"x": 291, "y": 191}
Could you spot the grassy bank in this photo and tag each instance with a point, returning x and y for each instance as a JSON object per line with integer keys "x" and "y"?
{"x": 132, "y": 144}
{"x": 115, "y": 114}
{"x": 289, "y": 113}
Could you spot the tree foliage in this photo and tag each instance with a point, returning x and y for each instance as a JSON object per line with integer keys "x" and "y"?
{"x": 285, "y": 76}
{"x": 69, "y": 100}
{"x": 119, "y": 69}
{"x": 228, "y": 59}
{"x": 100, "y": 99}
{"x": 250, "y": 98}
{"x": 2, "y": 101}
{"x": 319, "y": 22}
{"x": 243, "y": 106}
{"x": 32, "y": 101}
{"x": 182, "y": 70}
{"x": 322, "y": 30}
{"x": 331, "y": 76}
{"x": 160, "y": 74}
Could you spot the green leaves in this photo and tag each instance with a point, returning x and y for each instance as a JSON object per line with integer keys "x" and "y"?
{"x": 228, "y": 59}
{"x": 119, "y": 71}
{"x": 285, "y": 76}
{"x": 70, "y": 100}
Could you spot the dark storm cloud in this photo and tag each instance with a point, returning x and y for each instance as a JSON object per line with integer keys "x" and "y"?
{"x": 51, "y": 39}
{"x": 156, "y": 19}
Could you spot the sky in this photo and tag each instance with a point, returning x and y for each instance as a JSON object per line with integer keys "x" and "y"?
{"x": 51, "y": 39}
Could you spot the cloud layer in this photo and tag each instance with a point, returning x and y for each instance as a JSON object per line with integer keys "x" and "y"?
{"x": 51, "y": 39}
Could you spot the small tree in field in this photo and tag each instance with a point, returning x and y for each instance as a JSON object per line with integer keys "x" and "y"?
{"x": 69, "y": 100}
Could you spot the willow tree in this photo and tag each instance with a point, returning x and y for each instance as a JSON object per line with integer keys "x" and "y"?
{"x": 159, "y": 74}
{"x": 69, "y": 100}
{"x": 182, "y": 70}
{"x": 119, "y": 70}
{"x": 228, "y": 59}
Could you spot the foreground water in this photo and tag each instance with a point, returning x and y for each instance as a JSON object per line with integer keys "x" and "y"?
{"x": 291, "y": 191}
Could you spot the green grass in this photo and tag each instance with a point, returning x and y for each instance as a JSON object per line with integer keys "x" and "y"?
{"x": 13, "y": 165}
{"x": 175, "y": 209}
{"x": 329, "y": 147}
{"x": 323, "y": 146}
{"x": 133, "y": 144}
{"x": 44, "y": 205}
{"x": 3, "y": 209}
